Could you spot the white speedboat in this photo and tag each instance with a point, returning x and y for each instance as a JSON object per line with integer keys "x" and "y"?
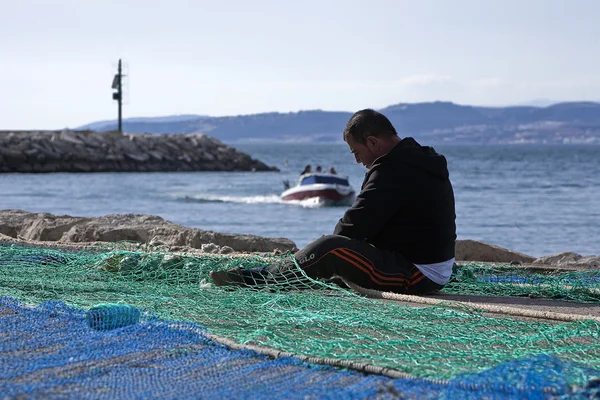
{"x": 326, "y": 189}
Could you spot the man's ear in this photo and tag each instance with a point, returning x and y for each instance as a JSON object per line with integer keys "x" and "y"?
{"x": 372, "y": 143}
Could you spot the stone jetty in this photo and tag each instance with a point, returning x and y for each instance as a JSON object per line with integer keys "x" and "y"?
{"x": 87, "y": 151}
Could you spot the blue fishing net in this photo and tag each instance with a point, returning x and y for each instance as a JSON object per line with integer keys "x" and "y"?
{"x": 55, "y": 351}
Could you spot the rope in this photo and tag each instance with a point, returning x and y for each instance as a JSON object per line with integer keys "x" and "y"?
{"x": 550, "y": 315}
{"x": 362, "y": 367}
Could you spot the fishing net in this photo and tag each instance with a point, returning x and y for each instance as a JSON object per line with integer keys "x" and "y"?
{"x": 308, "y": 318}
{"x": 50, "y": 352}
{"x": 503, "y": 280}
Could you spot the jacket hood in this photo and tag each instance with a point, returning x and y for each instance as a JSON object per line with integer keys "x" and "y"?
{"x": 409, "y": 151}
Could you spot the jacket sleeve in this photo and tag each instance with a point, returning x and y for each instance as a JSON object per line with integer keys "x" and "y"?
{"x": 376, "y": 203}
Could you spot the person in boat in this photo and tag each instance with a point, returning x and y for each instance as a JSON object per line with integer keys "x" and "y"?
{"x": 319, "y": 169}
{"x": 307, "y": 170}
{"x": 332, "y": 171}
{"x": 400, "y": 233}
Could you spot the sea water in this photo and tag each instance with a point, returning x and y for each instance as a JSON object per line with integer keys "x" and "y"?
{"x": 535, "y": 199}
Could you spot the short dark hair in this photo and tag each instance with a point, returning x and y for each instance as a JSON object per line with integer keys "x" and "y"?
{"x": 368, "y": 122}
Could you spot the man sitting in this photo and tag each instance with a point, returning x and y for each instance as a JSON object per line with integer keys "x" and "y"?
{"x": 399, "y": 235}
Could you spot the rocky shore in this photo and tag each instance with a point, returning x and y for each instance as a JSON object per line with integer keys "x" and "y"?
{"x": 86, "y": 151}
{"x": 140, "y": 228}
{"x": 65, "y": 230}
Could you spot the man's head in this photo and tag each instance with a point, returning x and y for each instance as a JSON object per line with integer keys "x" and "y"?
{"x": 369, "y": 135}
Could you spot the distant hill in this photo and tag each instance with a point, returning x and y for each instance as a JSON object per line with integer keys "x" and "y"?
{"x": 108, "y": 125}
{"x": 574, "y": 122}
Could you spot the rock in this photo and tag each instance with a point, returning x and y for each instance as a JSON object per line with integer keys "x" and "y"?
{"x": 590, "y": 261}
{"x": 156, "y": 154}
{"x": 46, "y": 149}
{"x": 8, "y": 232}
{"x": 40, "y": 226}
{"x": 86, "y": 151}
{"x": 185, "y": 158}
{"x": 157, "y": 242}
{"x": 228, "y": 250}
{"x": 560, "y": 258}
{"x": 10, "y": 153}
{"x": 569, "y": 259}
{"x": 176, "y": 248}
{"x": 127, "y": 145}
{"x": 81, "y": 167}
{"x": 210, "y": 248}
{"x": 137, "y": 157}
{"x": 473, "y": 250}
{"x": 131, "y": 227}
{"x": 71, "y": 137}
{"x": 31, "y": 152}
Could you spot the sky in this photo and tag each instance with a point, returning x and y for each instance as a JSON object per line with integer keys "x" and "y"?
{"x": 231, "y": 57}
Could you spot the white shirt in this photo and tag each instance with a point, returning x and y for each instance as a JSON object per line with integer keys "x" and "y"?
{"x": 438, "y": 272}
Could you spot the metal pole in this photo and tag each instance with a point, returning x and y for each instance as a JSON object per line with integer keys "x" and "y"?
{"x": 120, "y": 91}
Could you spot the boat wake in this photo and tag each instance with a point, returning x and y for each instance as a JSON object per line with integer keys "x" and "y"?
{"x": 207, "y": 198}
{"x": 266, "y": 199}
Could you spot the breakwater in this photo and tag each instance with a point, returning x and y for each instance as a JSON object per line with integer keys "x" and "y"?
{"x": 87, "y": 151}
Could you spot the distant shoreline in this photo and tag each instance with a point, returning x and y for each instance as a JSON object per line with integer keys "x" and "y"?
{"x": 290, "y": 141}
{"x": 430, "y": 122}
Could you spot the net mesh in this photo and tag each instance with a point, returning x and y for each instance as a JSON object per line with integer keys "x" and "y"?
{"x": 325, "y": 321}
{"x": 505, "y": 280}
{"x": 50, "y": 352}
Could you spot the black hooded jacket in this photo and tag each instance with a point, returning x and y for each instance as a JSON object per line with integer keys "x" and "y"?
{"x": 406, "y": 205}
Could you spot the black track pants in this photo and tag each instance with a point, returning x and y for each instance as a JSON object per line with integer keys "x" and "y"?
{"x": 354, "y": 260}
